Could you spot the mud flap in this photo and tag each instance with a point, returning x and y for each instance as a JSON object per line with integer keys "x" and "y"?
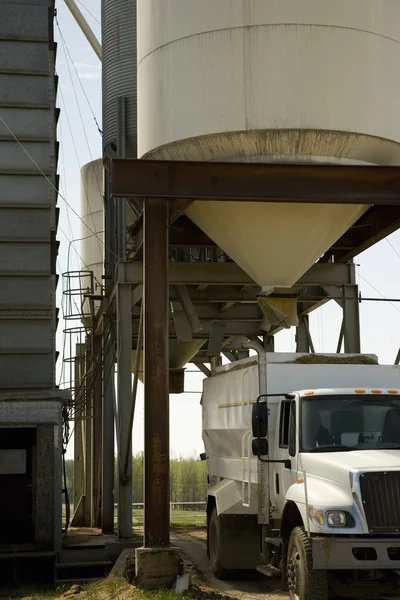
{"x": 240, "y": 540}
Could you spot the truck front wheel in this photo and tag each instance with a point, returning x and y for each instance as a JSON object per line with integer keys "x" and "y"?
{"x": 303, "y": 582}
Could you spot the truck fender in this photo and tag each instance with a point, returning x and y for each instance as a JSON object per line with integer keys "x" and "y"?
{"x": 228, "y": 499}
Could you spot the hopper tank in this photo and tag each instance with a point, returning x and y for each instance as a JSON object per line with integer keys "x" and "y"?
{"x": 274, "y": 81}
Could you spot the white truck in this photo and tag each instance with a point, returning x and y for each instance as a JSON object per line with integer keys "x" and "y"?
{"x": 304, "y": 472}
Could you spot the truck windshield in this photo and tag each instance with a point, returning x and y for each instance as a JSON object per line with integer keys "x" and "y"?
{"x": 343, "y": 423}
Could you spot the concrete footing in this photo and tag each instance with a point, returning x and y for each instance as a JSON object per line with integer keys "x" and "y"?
{"x": 157, "y": 567}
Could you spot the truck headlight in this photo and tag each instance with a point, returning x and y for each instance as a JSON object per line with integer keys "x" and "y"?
{"x": 336, "y": 518}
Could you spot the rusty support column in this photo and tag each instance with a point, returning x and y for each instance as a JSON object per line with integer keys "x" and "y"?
{"x": 156, "y": 375}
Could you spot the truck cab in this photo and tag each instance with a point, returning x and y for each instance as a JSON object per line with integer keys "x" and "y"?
{"x": 317, "y": 501}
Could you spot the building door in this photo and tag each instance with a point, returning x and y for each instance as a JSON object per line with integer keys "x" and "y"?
{"x": 17, "y": 446}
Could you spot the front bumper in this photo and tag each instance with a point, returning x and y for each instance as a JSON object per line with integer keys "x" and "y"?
{"x": 332, "y": 552}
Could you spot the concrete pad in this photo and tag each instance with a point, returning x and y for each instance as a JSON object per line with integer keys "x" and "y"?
{"x": 157, "y": 567}
{"x": 114, "y": 548}
{"x": 119, "y": 567}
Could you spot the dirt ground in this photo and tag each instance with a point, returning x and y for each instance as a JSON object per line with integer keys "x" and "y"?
{"x": 192, "y": 543}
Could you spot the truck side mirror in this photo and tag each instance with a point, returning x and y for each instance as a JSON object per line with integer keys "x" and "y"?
{"x": 259, "y": 419}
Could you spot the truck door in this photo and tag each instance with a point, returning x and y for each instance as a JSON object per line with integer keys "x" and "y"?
{"x": 282, "y": 477}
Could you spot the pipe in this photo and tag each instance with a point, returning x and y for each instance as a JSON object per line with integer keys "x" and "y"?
{"x": 188, "y": 308}
{"x": 134, "y": 388}
{"x": 263, "y": 467}
{"x": 262, "y": 364}
{"x": 85, "y": 28}
{"x": 121, "y": 153}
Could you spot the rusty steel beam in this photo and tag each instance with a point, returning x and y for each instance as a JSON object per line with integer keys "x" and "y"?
{"x": 376, "y": 224}
{"x": 156, "y": 374}
{"x": 254, "y": 182}
{"x": 228, "y": 274}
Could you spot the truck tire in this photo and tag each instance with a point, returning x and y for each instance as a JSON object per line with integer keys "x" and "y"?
{"x": 303, "y": 582}
{"x": 214, "y": 537}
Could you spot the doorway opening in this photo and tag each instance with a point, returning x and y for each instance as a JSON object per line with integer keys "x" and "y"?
{"x": 17, "y": 485}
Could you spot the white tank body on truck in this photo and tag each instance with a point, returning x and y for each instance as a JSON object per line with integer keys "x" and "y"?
{"x": 303, "y": 461}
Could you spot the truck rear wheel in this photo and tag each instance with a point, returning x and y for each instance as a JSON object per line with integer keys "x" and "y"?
{"x": 214, "y": 538}
{"x": 303, "y": 582}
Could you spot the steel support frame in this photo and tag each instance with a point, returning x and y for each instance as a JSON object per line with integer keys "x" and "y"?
{"x": 351, "y": 319}
{"x": 255, "y": 182}
{"x": 156, "y": 375}
{"x": 229, "y": 274}
{"x": 186, "y": 182}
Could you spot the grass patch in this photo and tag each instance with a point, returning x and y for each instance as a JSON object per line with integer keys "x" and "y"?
{"x": 179, "y": 518}
{"x": 36, "y": 593}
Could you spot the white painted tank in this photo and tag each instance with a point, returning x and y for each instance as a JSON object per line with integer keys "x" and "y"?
{"x": 270, "y": 80}
{"x": 92, "y": 252}
{"x": 92, "y": 214}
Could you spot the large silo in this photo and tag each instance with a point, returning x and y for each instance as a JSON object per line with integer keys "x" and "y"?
{"x": 92, "y": 224}
{"x": 119, "y": 73}
{"x": 93, "y": 247}
{"x": 273, "y": 81}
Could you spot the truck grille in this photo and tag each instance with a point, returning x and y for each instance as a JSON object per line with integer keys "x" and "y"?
{"x": 380, "y": 493}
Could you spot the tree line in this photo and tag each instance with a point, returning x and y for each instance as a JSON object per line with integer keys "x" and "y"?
{"x": 188, "y": 479}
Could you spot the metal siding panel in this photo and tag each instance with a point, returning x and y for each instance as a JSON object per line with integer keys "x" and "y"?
{"x": 25, "y": 335}
{"x": 24, "y": 57}
{"x": 26, "y": 371}
{"x": 24, "y": 258}
{"x": 48, "y": 3}
{"x": 27, "y": 124}
{"x": 25, "y": 190}
{"x": 23, "y": 22}
{"x": 27, "y": 304}
{"x": 31, "y": 411}
{"x": 13, "y": 158}
{"x": 22, "y": 90}
{"x": 27, "y": 292}
{"x": 18, "y": 224}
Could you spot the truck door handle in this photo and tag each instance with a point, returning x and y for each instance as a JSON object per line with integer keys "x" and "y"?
{"x": 277, "y": 483}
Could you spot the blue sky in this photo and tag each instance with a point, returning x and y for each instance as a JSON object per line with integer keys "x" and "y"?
{"x": 80, "y": 142}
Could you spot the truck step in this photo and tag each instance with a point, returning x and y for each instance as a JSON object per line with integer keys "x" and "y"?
{"x": 269, "y": 571}
{"x": 274, "y": 541}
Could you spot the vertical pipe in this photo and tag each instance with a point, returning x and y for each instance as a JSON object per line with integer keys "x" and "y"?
{"x": 107, "y": 511}
{"x": 124, "y": 396}
{"x": 351, "y": 319}
{"x": 97, "y": 430}
{"x": 135, "y": 383}
{"x": 88, "y": 441}
{"x": 156, "y": 374}
{"x": 121, "y": 150}
{"x": 79, "y": 472}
